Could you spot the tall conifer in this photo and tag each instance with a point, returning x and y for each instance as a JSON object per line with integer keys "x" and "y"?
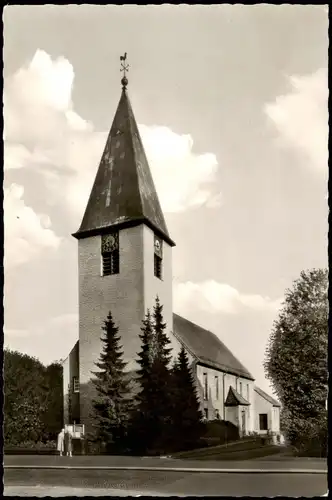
{"x": 140, "y": 434}
{"x": 161, "y": 387}
{"x": 145, "y": 355}
{"x": 162, "y": 342}
{"x": 111, "y": 406}
{"x": 153, "y": 415}
{"x": 187, "y": 424}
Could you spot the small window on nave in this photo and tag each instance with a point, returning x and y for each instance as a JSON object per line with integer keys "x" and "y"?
{"x": 217, "y": 386}
{"x": 205, "y": 386}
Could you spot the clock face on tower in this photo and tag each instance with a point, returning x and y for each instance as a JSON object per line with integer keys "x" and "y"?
{"x": 158, "y": 249}
{"x": 110, "y": 242}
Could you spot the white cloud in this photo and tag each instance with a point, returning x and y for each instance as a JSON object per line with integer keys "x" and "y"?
{"x": 301, "y": 117}
{"x": 49, "y": 341}
{"x": 181, "y": 176}
{"x": 42, "y": 129}
{"x": 213, "y": 297}
{"x": 26, "y": 233}
{"x": 234, "y": 317}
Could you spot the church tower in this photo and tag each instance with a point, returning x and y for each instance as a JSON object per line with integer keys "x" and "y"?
{"x": 124, "y": 249}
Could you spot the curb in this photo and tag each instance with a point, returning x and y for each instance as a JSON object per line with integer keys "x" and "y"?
{"x": 171, "y": 469}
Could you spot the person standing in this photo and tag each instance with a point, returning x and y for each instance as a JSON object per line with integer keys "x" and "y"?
{"x": 69, "y": 444}
{"x": 61, "y": 442}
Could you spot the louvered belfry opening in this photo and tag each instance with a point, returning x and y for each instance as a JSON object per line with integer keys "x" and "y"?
{"x": 157, "y": 266}
{"x": 111, "y": 263}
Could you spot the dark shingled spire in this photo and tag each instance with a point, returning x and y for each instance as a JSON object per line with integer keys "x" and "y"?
{"x": 123, "y": 193}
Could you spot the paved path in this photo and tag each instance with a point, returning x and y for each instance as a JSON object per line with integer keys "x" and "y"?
{"x": 78, "y": 482}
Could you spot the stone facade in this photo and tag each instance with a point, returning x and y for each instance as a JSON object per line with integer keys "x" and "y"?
{"x": 127, "y": 295}
{"x": 214, "y": 405}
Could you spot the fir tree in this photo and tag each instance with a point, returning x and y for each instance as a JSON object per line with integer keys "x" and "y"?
{"x": 140, "y": 434}
{"x": 153, "y": 415}
{"x": 160, "y": 382}
{"x": 111, "y": 406}
{"x": 145, "y": 355}
{"x": 188, "y": 424}
{"x": 175, "y": 367}
{"x": 162, "y": 351}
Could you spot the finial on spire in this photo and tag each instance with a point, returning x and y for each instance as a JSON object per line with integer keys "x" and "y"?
{"x": 124, "y": 68}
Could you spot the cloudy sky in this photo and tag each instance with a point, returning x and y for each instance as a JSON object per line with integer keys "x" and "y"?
{"x": 232, "y": 107}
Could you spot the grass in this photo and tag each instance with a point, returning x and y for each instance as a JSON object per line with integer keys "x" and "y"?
{"x": 237, "y": 450}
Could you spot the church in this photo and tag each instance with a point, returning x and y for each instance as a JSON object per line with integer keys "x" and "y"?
{"x": 124, "y": 262}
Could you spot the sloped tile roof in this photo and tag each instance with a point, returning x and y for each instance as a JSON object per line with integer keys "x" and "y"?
{"x": 123, "y": 192}
{"x": 235, "y": 399}
{"x": 268, "y": 398}
{"x": 208, "y": 348}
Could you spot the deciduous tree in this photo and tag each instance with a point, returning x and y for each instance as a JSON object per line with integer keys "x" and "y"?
{"x": 33, "y": 399}
{"x": 296, "y": 356}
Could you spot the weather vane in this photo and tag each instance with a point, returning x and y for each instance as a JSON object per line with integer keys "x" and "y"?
{"x": 124, "y": 68}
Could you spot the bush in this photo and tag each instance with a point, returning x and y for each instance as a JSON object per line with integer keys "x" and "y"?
{"x": 31, "y": 448}
{"x": 32, "y": 445}
{"x": 220, "y": 432}
{"x": 314, "y": 447}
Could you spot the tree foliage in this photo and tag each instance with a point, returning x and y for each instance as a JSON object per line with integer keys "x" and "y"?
{"x": 153, "y": 412}
{"x": 161, "y": 380}
{"x": 112, "y": 402}
{"x": 139, "y": 432}
{"x": 167, "y": 409}
{"x": 296, "y": 356}
{"x": 188, "y": 425}
{"x": 53, "y": 416}
{"x": 33, "y": 399}
{"x": 145, "y": 356}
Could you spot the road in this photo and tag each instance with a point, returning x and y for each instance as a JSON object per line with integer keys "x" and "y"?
{"x": 78, "y": 478}
{"x": 155, "y": 462}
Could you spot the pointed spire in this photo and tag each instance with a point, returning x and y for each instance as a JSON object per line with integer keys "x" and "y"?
{"x": 123, "y": 193}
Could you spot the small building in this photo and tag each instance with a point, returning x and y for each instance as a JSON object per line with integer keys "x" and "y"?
{"x": 124, "y": 262}
{"x": 267, "y": 412}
